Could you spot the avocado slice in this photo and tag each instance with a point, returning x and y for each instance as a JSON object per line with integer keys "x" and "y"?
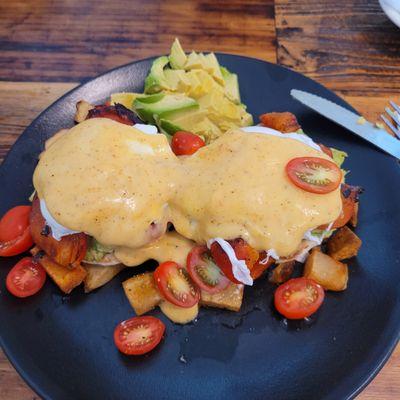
{"x": 177, "y": 79}
{"x": 163, "y": 107}
{"x": 155, "y": 81}
{"x": 231, "y": 85}
{"x": 214, "y": 68}
{"x": 193, "y": 62}
{"x": 177, "y": 57}
{"x": 168, "y": 127}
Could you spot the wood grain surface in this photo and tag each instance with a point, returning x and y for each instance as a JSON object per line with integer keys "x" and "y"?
{"x": 46, "y": 47}
{"x": 347, "y": 45}
{"x": 71, "y": 41}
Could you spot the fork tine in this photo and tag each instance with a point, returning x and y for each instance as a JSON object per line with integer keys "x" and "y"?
{"x": 395, "y": 106}
{"x": 393, "y": 115}
{"x": 391, "y": 126}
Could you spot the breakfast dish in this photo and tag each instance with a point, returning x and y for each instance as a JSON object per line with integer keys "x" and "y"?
{"x": 251, "y": 353}
{"x": 195, "y": 186}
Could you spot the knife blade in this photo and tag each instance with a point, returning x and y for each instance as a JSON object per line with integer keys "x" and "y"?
{"x": 349, "y": 120}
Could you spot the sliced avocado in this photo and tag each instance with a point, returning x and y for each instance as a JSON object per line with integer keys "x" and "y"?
{"x": 155, "y": 81}
{"x": 166, "y": 106}
{"x": 168, "y": 127}
{"x": 188, "y": 118}
{"x": 177, "y": 79}
{"x": 193, "y": 62}
{"x": 232, "y": 88}
{"x": 177, "y": 57}
{"x": 202, "y": 83}
{"x": 125, "y": 98}
{"x": 214, "y": 68}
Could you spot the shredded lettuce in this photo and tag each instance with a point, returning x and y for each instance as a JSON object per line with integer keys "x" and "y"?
{"x": 338, "y": 156}
{"x": 319, "y": 232}
{"x": 96, "y": 251}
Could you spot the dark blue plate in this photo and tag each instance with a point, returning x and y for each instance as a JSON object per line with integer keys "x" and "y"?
{"x": 63, "y": 346}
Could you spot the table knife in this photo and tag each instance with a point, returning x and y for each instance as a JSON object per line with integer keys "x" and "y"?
{"x": 349, "y": 120}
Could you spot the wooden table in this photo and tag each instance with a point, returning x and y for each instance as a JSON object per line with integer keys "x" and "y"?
{"x": 47, "y": 47}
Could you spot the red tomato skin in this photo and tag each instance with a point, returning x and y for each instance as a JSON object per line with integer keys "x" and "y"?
{"x": 222, "y": 260}
{"x": 25, "y": 264}
{"x": 195, "y": 258}
{"x": 298, "y": 284}
{"x": 186, "y": 143}
{"x": 295, "y": 165}
{"x": 242, "y": 250}
{"x": 161, "y": 275}
{"x": 15, "y": 236}
{"x": 157, "y": 327}
{"x": 327, "y": 150}
{"x": 14, "y": 222}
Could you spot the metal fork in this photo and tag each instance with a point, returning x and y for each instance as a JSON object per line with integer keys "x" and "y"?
{"x": 395, "y": 116}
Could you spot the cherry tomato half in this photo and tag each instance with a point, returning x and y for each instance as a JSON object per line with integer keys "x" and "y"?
{"x": 175, "y": 285}
{"x": 314, "y": 174}
{"x": 298, "y": 298}
{"x": 204, "y": 272}
{"x": 186, "y": 143}
{"x": 26, "y": 278}
{"x": 15, "y": 235}
{"x": 138, "y": 335}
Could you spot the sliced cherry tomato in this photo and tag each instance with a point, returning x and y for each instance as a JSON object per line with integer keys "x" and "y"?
{"x": 314, "y": 174}
{"x": 242, "y": 250}
{"x": 138, "y": 335}
{"x": 186, "y": 143}
{"x": 175, "y": 285}
{"x": 15, "y": 235}
{"x": 204, "y": 272}
{"x": 298, "y": 298}
{"x": 327, "y": 150}
{"x": 26, "y": 278}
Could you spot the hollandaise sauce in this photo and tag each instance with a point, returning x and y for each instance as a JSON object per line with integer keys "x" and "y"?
{"x": 124, "y": 187}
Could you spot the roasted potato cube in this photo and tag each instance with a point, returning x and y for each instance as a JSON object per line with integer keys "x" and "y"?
{"x": 99, "y": 275}
{"x": 284, "y": 122}
{"x": 343, "y": 244}
{"x": 282, "y": 272}
{"x": 66, "y": 279}
{"x": 229, "y": 298}
{"x": 329, "y": 273}
{"x": 354, "y": 218}
{"x": 142, "y": 292}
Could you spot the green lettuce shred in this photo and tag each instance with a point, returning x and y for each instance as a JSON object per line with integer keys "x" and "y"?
{"x": 338, "y": 156}
{"x": 96, "y": 251}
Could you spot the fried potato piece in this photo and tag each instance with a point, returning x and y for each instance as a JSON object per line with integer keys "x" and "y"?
{"x": 354, "y": 218}
{"x": 68, "y": 252}
{"x": 284, "y": 122}
{"x": 329, "y": 273}
{"x": 343, "y": 244}
{"x": 229, "y": 298}
{"x": 99, "y": 275}
{"x": 66, "y": 279}
{"x": 82, "y": 111}
{"x": 142, "y": 292}
{"x": 282, "y": 272}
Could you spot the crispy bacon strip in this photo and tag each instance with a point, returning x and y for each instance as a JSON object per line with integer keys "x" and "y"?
{"x": 68, "y": 252}
{"x": 117, "y": 112}
{"x": 284, "y": 122}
